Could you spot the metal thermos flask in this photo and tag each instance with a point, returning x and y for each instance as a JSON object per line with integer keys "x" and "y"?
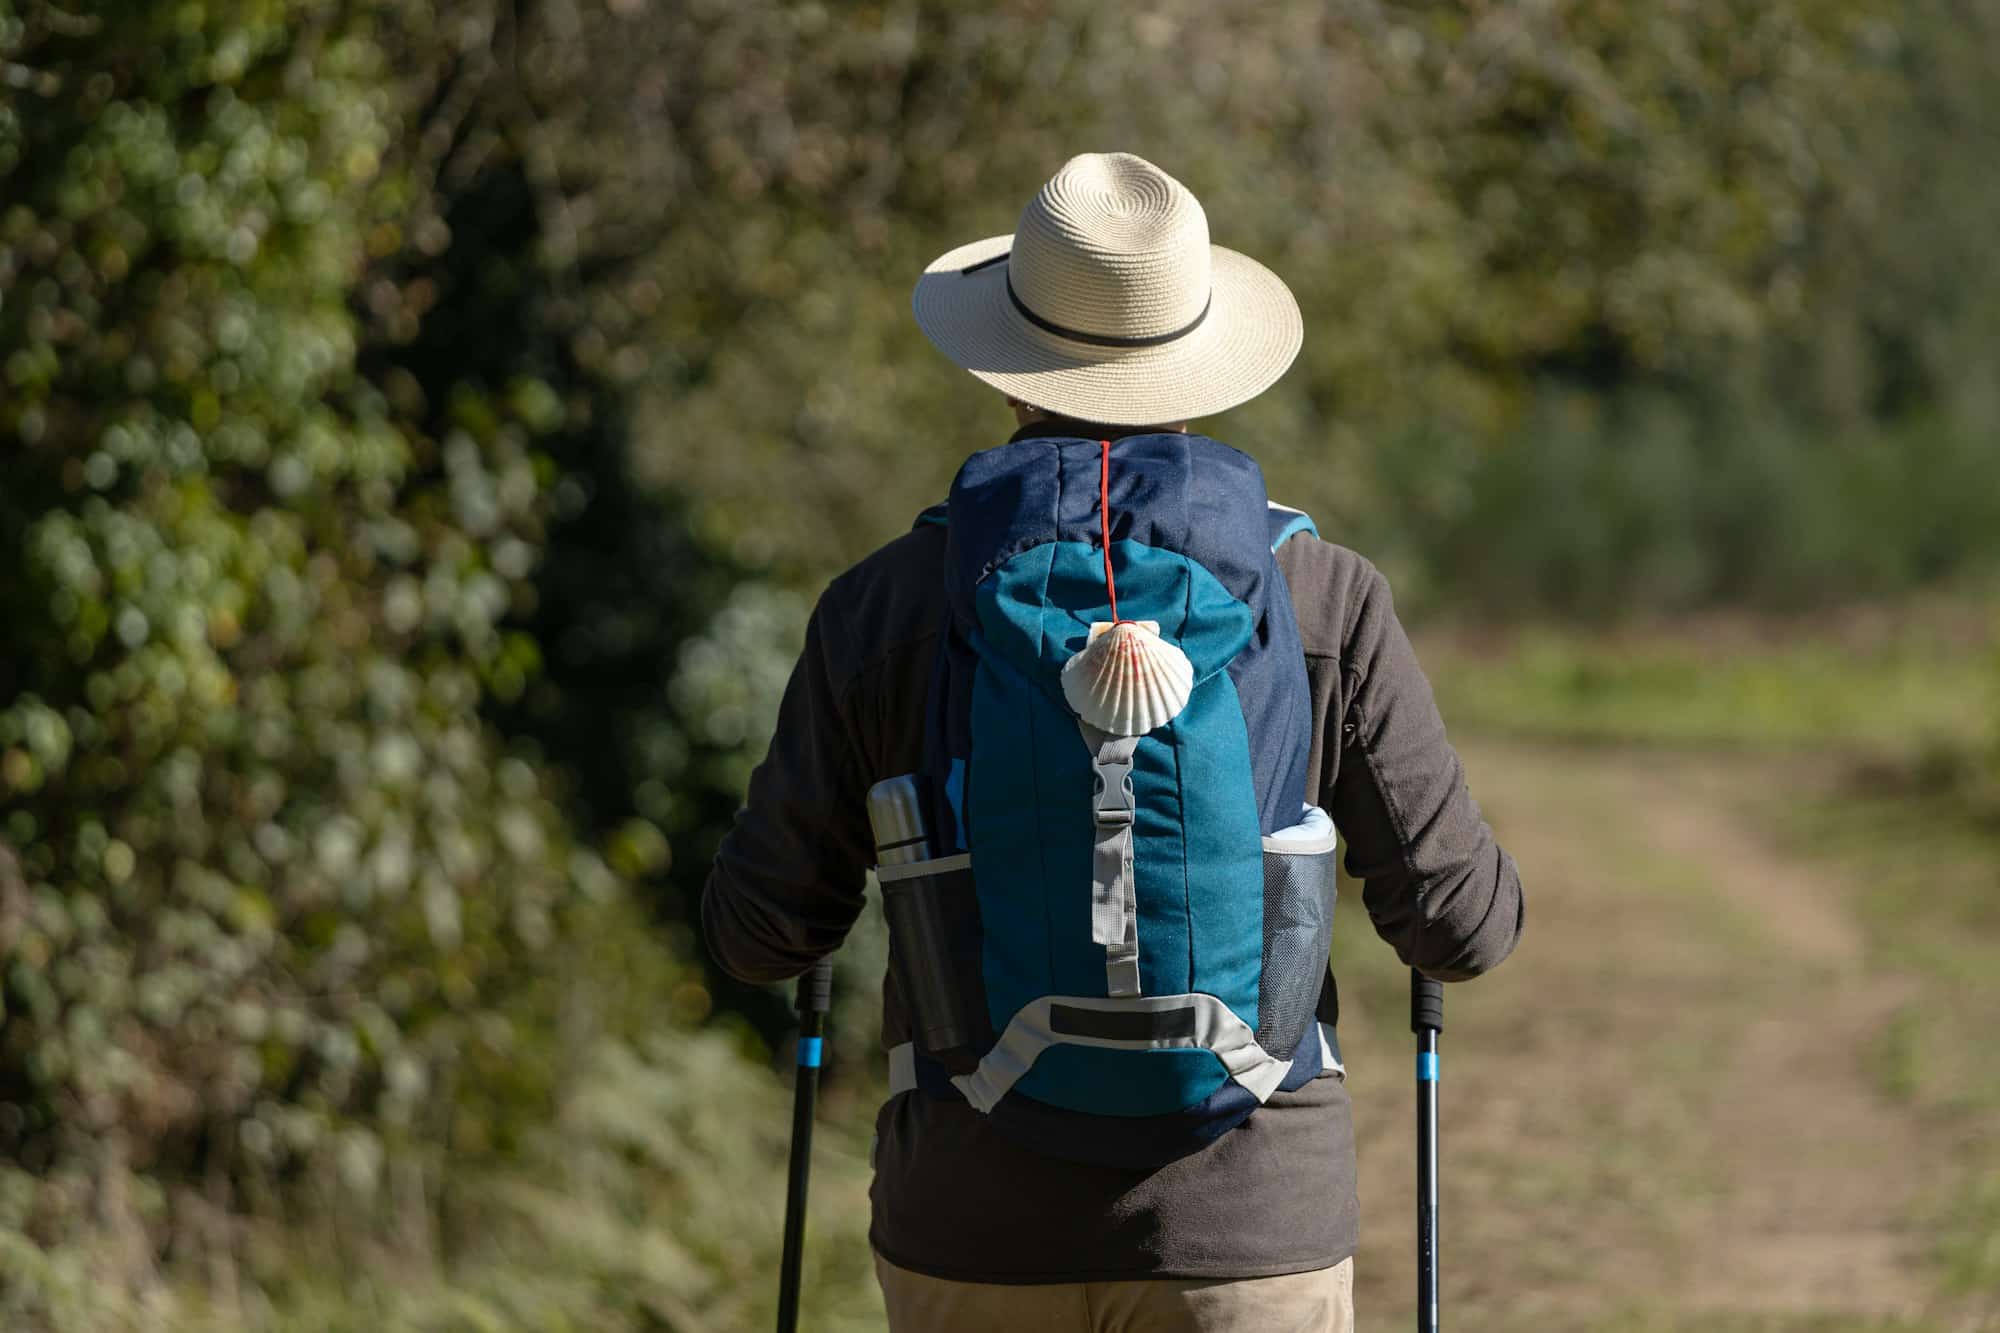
{"x": 920, "y": 934}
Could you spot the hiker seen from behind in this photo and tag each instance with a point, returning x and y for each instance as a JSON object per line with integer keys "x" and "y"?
{"x": 1117, "y": 712}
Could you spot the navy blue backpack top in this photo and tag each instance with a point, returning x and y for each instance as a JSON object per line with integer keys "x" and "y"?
{"x": 1117, "y": 744}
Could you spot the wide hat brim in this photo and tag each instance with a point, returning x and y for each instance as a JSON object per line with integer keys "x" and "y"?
{"x": 1248, "y": 338}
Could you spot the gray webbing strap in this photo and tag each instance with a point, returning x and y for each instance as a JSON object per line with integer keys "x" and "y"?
{"x": 1114, "y": 892}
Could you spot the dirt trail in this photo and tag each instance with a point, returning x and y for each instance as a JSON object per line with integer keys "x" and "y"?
{"x": 1660, "y": 1113}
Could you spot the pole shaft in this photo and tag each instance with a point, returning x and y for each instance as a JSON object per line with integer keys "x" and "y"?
{"x": 1426, "y": 1021}
{"x": 1427, "y": 1184}
{"x": 815, "y": 995}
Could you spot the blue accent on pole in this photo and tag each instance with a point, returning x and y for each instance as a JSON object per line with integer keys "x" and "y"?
{"x": 809, "y": 1052}
{"x": 1427, "y": 1067}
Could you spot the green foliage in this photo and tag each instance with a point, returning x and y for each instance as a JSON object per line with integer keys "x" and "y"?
{"x": 1470, "y": 204}
{"x": 275, "y": 880}
{"x": 635, "y": 674}
{"x": 279, "y": 910}
{"x": 1601, "y": 506}
{"x": 653, "y": 1198}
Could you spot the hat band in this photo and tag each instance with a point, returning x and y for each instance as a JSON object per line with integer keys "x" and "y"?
{"x": 1079, "y": 335}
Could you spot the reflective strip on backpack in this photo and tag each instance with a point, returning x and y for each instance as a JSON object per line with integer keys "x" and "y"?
{"x": 1329, "y": 1055}
{"x": 903, "y": 1061}
{"x": 1141, "y": 1023}
{"x": 902, "y": 1068}
{"x": 936, "y": 865}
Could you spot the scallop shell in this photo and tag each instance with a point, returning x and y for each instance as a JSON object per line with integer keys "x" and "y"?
{"x": 1127, "y": 680}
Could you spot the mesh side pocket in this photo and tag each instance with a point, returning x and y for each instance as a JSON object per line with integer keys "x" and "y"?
{"x": 1300, "y": 871}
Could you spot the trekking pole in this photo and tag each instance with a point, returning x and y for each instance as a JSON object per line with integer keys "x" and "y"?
{"x": 815, "y": 998}
{"x": 1426, "y": 1021}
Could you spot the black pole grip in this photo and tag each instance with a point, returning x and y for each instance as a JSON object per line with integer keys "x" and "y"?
{"x": 816, "y": 987}
{"x": 1426, "y": 1004}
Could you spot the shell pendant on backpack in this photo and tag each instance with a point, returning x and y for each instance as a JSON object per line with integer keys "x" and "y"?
{"x": 1127, "y": 680}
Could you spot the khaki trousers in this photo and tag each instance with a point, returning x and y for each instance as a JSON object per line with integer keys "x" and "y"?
{"x": 1318, "y": 1302}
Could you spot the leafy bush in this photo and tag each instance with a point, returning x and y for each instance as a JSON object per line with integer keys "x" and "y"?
{"x": 279, "y": 911}
{"x": 653, "y": 1198}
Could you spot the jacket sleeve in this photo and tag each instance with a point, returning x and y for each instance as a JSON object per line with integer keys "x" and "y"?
{"x": 1434, "y": 880}
{"x": 790, "y": 876}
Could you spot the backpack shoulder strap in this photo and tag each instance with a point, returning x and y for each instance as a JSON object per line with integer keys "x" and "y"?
{"x": 1286, "y": 523}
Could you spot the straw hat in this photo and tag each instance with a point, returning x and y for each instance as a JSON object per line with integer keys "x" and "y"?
{"x": 1108, "y": 303}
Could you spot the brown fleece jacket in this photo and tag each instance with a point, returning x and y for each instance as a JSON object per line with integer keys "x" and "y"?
{"x": 952, "y": 1197}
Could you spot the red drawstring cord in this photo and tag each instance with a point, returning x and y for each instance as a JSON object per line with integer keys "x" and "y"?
{"x": 1104, "y": 510}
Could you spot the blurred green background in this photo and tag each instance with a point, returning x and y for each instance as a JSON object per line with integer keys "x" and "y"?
{"x": 423, "y": 427}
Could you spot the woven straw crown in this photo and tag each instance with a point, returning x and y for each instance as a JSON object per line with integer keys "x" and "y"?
{"x": 1109, "y": 304}
{"x": 1109, "y": 249}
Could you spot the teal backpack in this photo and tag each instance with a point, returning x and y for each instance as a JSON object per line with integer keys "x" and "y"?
{"x": 1118, "y": 729}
